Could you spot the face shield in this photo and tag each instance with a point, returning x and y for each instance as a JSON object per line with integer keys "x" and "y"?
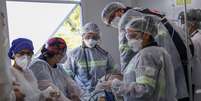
{"x": 162, "y": 36}
{"x": 127, "y": 17}
{"x": 146, "y": 24}
{"x": 193, "y": 18}
{"x": 172, "y": 38}
{"x": 167, "y": 40}
{"x": 136, "y": 28}
{"x": 109, "y": 9}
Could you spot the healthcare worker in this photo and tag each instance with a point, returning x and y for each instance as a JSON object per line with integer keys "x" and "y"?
{"x": 89, "y": 62}
{"x": 47, "y": 72}
{"x": 193, "y": 28}
{"x": 150, "y": 74}
{"x": 116, "y": 10}
{"x": 112, "y": 16}
{"x": 24, "y": 83}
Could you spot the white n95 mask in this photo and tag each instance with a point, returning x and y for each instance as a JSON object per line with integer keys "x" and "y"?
{"x": 136, "y": 45}
{"x": 90, "y": 42}
{"x": 115, "y": 22}
{"x": 23, "y": 61}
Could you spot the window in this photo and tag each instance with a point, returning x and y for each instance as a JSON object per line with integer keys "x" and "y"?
{"x": 70, "y": 29}
{"x": 39, "y": 21}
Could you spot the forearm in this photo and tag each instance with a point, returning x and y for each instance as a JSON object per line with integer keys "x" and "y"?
{"x": 133, "y": 88}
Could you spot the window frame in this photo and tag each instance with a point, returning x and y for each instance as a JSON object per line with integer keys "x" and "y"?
{"x": 77, "y": 3}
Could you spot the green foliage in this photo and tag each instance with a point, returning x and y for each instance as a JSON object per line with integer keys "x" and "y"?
{"x": 70, "y": 29}
{"x": 73, "y": 21}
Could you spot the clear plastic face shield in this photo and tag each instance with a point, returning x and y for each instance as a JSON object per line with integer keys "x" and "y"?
{"x": 114, "y": 18}
{"x": 127, "y": 17}
{"x": 136, "y": 28}
{"x": 165, "y": 40}
{"x": 133, "y": 34}
{"x": 162, "y": 37}
{"x": 192, "y": 20}
{"x": 161, "y": 33}
{"x": 134, "y": 38}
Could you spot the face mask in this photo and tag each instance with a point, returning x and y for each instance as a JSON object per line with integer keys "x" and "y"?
{"x": 23, "y": 61}
{"x": 136, "y": 45}
{"x": 90, "y": 43}
{"x": 115, "y": 22}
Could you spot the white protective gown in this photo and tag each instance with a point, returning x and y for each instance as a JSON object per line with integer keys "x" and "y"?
{"x": 148, "y": 77}
{"x": 28, "y": 84}
{"x": 196, "y": 64}
{"x": 47, "y": 76}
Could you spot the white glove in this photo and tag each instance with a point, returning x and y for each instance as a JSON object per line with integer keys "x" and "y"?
{"x": 120, "y": 88}
{"x": 106, "y": 85}
{"x": 51, "y": 92}
{"x": 116, "y": 84}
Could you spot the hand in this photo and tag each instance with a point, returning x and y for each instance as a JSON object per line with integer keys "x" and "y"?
{"x": 54, "y": 94}
{"x": 125, "y": 89}
{"x": 49, "y": 99}
{"x": 104, "y": 85}
{"x": 74, "y": 97}
{"x": 18, "y": 92}
{"x": 119, "y": 88}
{"x": 50, "y": 93}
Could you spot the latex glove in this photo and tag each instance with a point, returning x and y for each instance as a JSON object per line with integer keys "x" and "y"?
{"x": 51, "y": 93}
{"x": 116, "y": 85}
{"x": 19, "y": 95}
{"x": 104, "y": 85}
{"x": 120, "y": 88}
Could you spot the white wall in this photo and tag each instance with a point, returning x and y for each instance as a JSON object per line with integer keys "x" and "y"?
{"x": 126, "y": 2}
{"x": 91, "y": 10}
{"x": 167, "y": 6}
{"x": 5, "y": 84}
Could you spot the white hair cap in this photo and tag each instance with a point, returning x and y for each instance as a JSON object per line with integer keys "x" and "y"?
{"x": 91, "y": 27}
{"x": 144, "y": 24}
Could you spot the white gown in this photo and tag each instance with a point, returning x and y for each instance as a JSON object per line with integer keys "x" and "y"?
{"x": 196, "y": 64}
{"x": 28, "y": 84}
